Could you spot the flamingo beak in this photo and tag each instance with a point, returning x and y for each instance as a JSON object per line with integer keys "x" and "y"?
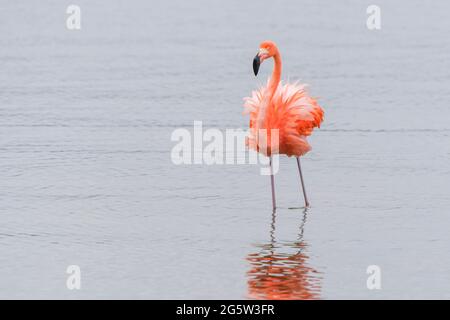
{"x": 262, "y": 55}
{"x": 256, "y": 64}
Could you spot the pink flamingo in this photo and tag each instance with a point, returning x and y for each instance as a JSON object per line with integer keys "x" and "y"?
{"x": 285, "y": 107}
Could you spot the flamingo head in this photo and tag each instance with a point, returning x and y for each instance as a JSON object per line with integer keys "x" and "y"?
{"x": 267, "y": 49}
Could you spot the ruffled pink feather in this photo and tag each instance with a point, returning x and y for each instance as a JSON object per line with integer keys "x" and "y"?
{"x": 291, "y": 110}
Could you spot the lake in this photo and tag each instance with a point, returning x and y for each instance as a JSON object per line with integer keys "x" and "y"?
{"x": 87, "y": 179}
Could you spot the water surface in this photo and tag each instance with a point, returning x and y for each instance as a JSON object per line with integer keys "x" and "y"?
{"x": 87, "y": 179}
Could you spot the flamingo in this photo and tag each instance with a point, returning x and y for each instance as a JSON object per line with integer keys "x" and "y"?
{"x": 286, "y": 107}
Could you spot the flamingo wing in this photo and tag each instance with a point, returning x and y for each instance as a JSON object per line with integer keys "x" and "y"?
{"x": 295, "y": 109}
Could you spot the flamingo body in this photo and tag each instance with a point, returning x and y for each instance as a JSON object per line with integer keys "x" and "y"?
{"x": 290, "y": 110}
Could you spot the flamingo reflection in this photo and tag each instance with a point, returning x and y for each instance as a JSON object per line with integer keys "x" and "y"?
{"x": 280, "y": 270}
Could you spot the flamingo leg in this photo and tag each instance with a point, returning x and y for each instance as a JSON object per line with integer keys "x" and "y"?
{"x": 272, "y": 182}
{"x": 303, "y": 183}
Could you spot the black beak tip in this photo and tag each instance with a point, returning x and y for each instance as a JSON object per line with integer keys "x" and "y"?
{"x": 256, "y": 64}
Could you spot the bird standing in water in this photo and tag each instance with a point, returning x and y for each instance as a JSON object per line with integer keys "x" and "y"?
{"x": 284, "y": 107}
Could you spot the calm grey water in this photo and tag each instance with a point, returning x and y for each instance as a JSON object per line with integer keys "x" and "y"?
{"x": 87, "y": 179}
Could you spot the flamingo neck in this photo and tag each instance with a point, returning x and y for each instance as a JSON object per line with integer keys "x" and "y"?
{"x": 272, "y": 88}
{"x": 276, "y": 75}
